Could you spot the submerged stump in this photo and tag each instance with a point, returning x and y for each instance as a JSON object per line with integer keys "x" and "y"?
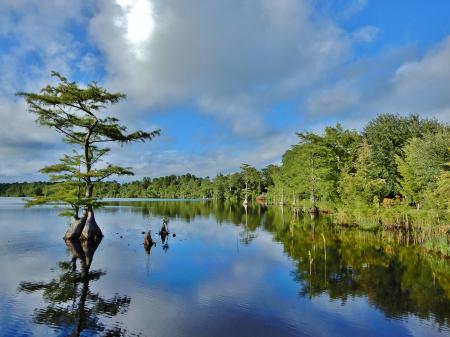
{"x": 148, "y": 240}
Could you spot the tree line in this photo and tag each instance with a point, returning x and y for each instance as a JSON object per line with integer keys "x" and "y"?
{"x": 186, "y": 186}
{"x": 393, "y": 157}
{"x": 394, "y": 160}
{"x": 394, "y": 173}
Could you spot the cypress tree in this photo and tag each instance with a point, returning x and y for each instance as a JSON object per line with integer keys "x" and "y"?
{"x": 78, "y": 114}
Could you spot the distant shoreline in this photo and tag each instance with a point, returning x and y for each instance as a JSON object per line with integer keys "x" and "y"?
{"x": 124, "y": 199}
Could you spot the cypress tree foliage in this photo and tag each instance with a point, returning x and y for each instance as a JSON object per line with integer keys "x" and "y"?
{"x": 67, "y": 186}
{"x": 76, "y": 113}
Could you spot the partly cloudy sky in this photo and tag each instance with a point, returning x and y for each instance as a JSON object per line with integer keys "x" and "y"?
{"x": 227, "y": 81}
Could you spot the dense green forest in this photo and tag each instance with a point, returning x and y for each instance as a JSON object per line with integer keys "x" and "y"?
{"x": 395, "y": 172}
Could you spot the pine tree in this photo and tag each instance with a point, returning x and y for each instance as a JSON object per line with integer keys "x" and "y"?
{"x": 76, "y": 113}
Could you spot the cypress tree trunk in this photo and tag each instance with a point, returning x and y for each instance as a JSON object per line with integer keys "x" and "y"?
{"x": 91, "y": 229}
{"x": 75, "y": 228}
{"x": 245, "y": 203}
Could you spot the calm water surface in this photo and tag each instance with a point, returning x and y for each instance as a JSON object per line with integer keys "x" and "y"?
{"x": 226, "y": 273}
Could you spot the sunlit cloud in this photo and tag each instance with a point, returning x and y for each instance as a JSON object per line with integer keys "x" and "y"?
{"x": 137, "y": 22}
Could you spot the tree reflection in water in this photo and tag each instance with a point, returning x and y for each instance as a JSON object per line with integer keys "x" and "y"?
{"x": 346, "y": 263}
{"x": 246, "y": 234}
{"x": 342, "y": 263}
{"x": 71, "y": 306}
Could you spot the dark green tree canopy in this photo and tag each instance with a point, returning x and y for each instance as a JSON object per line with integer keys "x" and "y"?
{"x": 388, "y": 134}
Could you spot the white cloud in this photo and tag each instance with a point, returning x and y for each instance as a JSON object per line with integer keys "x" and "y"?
{"x": 138, "y": 23}
{"x": 422, "y": 85}
{"x": 397, "y": 82}
{"x": 231, "y": 59}
{"x": 336, "y": 98}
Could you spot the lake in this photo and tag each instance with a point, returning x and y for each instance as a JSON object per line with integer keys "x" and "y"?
{"x": 227, "y": 272}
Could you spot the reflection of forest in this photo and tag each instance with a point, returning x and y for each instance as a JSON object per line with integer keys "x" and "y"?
{"x": 396, "y": 278}
{"x": 71, "y": 306}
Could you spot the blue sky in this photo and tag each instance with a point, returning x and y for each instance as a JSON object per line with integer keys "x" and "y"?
{"x": 228, "y": 81}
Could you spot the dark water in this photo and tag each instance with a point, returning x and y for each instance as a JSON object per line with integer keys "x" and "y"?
{"x": 226, "y": 273}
